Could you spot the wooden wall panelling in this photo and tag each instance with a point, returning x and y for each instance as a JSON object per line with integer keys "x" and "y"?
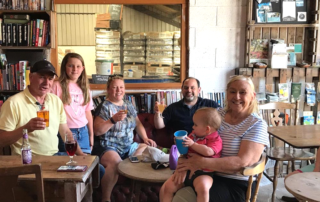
{"x": 271, "y": 81}
{"x": 249, "y": 39}
{"x": 283, "y": 34}
{"x": 299, "y": 39}
{"x": 257, "y": 33}
{"x": 275, "y": 32}
{"x": 285, "y": 75}
{"x": 300, "y": 77}
{"x": 259, "y": 80}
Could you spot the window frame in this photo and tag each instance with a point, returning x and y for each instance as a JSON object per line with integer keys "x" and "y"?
{"x": 184, "y": 41}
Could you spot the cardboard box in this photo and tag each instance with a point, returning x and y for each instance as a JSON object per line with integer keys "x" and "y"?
{"x": 159, "y": 35}
{"x": 103, "y": 17}
{"x": 113, "y": 24}
{"x": 158, "y": 70}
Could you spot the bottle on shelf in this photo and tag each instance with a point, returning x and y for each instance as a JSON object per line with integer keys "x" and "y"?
{"x": 26, "y": 154}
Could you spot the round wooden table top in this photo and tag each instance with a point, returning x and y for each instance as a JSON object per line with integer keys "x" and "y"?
{"x": 305, "y": 186}
{"x": 143, "y": 171}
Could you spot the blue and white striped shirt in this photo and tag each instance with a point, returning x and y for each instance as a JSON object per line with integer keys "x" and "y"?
{"x": 253, "y": 128}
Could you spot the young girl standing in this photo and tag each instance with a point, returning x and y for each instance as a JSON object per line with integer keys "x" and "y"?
{"x": 73, "y": 89}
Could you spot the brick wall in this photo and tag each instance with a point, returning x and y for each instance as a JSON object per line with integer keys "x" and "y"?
{"x": 217, "y": 40}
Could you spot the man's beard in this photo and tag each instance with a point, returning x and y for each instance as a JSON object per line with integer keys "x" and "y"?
{"x": 189, "y": 99}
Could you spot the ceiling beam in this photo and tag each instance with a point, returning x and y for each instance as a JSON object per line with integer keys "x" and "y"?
{"x": 155, "y": 15}
{"x": 175, "y": 7}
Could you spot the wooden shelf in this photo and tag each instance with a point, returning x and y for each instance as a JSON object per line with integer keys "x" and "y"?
{"x": 282, "y": 25}
{"x": 24, "y": 11}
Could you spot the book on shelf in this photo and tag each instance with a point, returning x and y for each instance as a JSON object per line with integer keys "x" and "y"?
{"x": 22, "y": 5}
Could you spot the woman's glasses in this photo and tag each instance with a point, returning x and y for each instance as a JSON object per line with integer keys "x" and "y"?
{"x": 115, "y": 75}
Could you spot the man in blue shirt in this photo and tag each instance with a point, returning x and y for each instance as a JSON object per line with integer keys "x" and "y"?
{"x": 178, "y": 115}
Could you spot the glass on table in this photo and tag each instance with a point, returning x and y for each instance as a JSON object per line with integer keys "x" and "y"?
{"x": 71, "y": 146}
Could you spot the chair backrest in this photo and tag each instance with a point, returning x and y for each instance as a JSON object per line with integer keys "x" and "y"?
{"x": 251, "y": 171}
{"x": 270, "y": 112}
{"x": 9, "y": 186}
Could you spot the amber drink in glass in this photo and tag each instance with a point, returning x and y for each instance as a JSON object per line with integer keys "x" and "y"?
{"x": 45, "y": 115}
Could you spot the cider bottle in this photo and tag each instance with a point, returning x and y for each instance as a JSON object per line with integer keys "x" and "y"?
{"x": 26, "y": 154}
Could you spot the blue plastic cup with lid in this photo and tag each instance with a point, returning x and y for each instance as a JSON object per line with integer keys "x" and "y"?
{"x": 179, "y": 136}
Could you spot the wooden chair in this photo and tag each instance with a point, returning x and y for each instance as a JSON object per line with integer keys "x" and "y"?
{"x": 251, "y": 171}
{"x": 9, "y": 185}
{"x": 278, "y": 151}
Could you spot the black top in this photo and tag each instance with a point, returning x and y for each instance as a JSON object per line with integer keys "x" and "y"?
{"x": 178, "y": 116}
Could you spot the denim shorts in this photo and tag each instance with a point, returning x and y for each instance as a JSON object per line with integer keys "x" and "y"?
{"x": 99, "y": 150}
{"x": 82, "y": 138}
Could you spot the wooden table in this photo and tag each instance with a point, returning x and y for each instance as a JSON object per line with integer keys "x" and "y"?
{"x": 142, "y": 172}
{"x": 298, "y": 136}
{"x": 304, "y": 186}
{"x": 60, "y": 186}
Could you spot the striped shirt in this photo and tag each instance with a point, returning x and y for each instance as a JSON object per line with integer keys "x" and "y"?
{"x": 253, "y": 129}
{"x": 120, "y": 135}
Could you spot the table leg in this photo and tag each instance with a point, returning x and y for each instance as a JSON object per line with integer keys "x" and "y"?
{"x": 72, "y": 192}
{"x": 88, "y": 196}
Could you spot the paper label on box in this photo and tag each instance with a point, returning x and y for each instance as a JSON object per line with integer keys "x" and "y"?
{"x": 162, "y": 35}
{"x": 136, "y": 36}
{"x": 159, "y": 70}
{"x": 134, "y": 67}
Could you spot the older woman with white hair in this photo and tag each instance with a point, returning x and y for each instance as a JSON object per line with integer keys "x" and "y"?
{"x": 244, "y": 136}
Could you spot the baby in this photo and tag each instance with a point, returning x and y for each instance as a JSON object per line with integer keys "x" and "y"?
{"x": 203, "y": 140}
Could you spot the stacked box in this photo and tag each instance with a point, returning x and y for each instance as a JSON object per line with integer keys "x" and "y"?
{"x": 108, "y": 47}
{"x": 134, "y": 51}
{"x": 176, "y": 49}
{"x": 159, "y": 54}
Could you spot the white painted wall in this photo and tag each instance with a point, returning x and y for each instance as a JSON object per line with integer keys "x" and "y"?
{"x": 217, "y": 41}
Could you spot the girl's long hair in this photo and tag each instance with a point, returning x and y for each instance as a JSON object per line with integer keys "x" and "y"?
{"x": 82, "y": 81}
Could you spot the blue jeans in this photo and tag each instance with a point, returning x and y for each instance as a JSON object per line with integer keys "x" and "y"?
{"x": 82, "y": 139}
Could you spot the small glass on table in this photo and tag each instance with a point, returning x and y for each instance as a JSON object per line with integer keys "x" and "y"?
{"x": 71, "y": 147}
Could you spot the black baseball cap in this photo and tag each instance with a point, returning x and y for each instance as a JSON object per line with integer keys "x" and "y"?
{"x": 43, "y": 66}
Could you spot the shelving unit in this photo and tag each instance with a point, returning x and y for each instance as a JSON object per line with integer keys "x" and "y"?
{"x": 30, "y": 53}
{"x": 306, "y": 34}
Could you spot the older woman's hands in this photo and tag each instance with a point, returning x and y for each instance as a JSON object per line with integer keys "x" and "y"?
{"x": 119, "y": 116}
{"x": 192, "y": 163}
{"x": 150, "y": 142}
{"x": 179, "y": 177}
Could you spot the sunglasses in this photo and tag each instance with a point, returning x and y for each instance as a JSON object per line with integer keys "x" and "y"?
{"x": 115, "y": 75}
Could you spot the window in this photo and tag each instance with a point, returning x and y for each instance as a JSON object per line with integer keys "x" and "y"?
{"x": 138, "y": 17}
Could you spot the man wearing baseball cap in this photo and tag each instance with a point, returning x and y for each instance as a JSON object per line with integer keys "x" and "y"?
{"x": 20, "y": 112}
